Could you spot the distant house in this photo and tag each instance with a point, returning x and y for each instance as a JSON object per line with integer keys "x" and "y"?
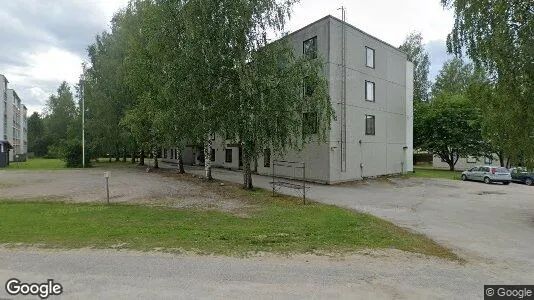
{"x": 466, "y": 163}
{"x": 376, "y": 136}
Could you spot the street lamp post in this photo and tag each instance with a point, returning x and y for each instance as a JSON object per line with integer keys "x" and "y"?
{"x": 82, "y": 94}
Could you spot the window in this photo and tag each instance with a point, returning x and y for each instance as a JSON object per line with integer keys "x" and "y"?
{"x": 488, "y": 160}
{"x": 369, "y": 91}
{"x": 309, "y": 86}
{"x": 228, "y": 158}
{"x": 370, "y": 57}
{"x": 267, "y": 158}
{"x": 212, "y": 154}
{"x": 309, "y": 121}
{"x": 471, "y": 160}
{"x": 369, "y": 125}
{"x": 309, "y": 48}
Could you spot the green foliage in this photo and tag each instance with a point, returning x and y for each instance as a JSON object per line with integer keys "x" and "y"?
{"x": 498, "y": 36}
{"x": 454, "y": 77}
{"x": 450, "y": 127}
{"x": 413, "y": 47}
{"x": 71, "y": 153}
{"x": 172, "y": 73}
{"x": 37, "y": 142}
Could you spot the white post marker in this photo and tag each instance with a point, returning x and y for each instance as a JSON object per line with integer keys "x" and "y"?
{"x": 106, "y": 175}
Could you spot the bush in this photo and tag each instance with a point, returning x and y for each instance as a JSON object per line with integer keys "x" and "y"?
{"x": 72, "y": 154}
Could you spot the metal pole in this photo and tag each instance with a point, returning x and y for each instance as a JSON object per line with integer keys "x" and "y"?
{"x": 304, "y": 180}
{"x": 83, "y": 119}
{"x": 107, "y": 190}
{"x": 273, "y": 178}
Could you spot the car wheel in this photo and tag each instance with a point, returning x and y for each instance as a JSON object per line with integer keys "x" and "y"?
{"x": 506, "y": 183}
{"x": 487, "y": 180}
{"x": 529, "y": 181}
{"x": 464, "y": 178}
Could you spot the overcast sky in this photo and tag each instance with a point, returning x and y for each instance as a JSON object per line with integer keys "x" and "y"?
{"x": 44, "y": 41}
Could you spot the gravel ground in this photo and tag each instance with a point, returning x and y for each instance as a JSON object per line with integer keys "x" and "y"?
{"x": 126, "y": 185}
{"x": 96, "y": 274}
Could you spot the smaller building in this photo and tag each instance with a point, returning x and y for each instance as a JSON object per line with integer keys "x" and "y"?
{"x": 466, "y": 163}
{"x": 5, "y": 147}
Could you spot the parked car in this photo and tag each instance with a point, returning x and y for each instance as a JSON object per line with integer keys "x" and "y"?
{"x": 488, "y": 174}
{"x": 522, "y": 175}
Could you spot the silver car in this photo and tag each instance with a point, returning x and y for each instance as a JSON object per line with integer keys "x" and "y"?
{"x": 488, "y": 174}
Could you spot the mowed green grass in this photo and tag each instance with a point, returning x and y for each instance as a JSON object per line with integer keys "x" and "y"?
{"x": 37, "y": 164}
{"x": 281, "y": 225}
{"x": 58, "y": 164}
{"x": 429, "y": 172}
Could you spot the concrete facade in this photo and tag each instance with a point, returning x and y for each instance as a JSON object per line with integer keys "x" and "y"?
{"x": 388, "y": 151}
{"x": 13, "y": 120}
{"x": 466, "y": 163}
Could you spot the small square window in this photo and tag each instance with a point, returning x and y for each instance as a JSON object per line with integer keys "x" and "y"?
{"x": 228, "y": 158}
{"x": 370, "y": 57}
{"x": 309, "y": 121}
{"x": 212, "y": 154}
{"x": 369, "y": 91}
{"x": 267, "y": 158}
{"x": 369, "y": 125}
{"x": 309, "y": 48}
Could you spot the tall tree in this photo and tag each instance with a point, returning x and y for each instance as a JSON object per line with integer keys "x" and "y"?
{"x": 60, "y": 113}
{"x": 497, "y": 34}
{"x": 37, "y": 141}
{"x": 414, "y": 48}
{"x": 454, "y": 77}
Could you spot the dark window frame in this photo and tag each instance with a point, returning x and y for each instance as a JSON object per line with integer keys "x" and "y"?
{"x": 228, "y": 154}
{"x": 314, "y": 42}
{"x": 374, "y": 60}
{"x": 309, "y": 122}
{"x": 212, "y": 154}
{"x": 374, "y": 91}
{"x": 370, "y": 130}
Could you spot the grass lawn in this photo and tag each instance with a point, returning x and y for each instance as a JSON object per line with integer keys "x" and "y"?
{"x": 281, "y": 225}
{"x": 37, "y": 164}
{"x": 57, "y": 164}
{"x": 429, "y": 172}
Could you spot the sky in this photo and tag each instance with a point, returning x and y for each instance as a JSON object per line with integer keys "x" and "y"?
{"x": 44, "y": 42}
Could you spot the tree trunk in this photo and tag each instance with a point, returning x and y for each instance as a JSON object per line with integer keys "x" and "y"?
{"x": 207, "y": 158}
{"x": 133, "y": 157}
{"x": 156, "y": 164}
{"x": 501, "y": 158}
{"x": 109, "y": 157}
{"x": 247, "y": 172}
{"x": 451, "y": 166}
{"x": 142, "y": 158}
{"x": 124, "y": 155}
{"x": 180, "y": 163}
{"x": 117, "y": 155}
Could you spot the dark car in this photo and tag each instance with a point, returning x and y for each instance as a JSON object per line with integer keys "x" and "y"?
{"x": 521, "y": 175}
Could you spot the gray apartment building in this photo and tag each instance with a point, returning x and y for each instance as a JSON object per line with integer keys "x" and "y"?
{"x": 371, "y": 90}
{"x": 13, "y": 121}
